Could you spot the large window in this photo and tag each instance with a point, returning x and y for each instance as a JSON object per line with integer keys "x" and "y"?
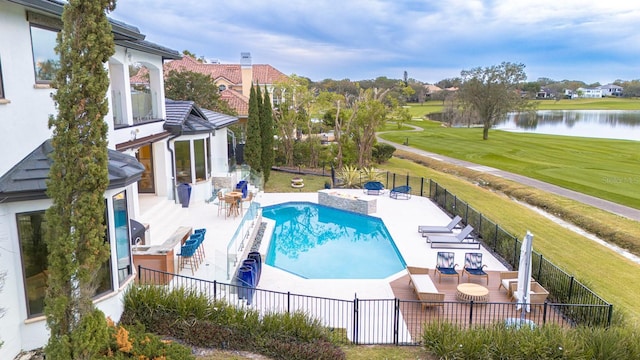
{"x": 196, "y": 152}
{"x": 32, "y": 228}
{"x": 45, "y": 60}
{"x": 123, "y": 244}
{"x": 183, "y": 161}
{"x": 199, "y": 159}
{"x": 144, "y": 93}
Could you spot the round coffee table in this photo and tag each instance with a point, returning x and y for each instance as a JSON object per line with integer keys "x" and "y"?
{"x": 472, "y": 292}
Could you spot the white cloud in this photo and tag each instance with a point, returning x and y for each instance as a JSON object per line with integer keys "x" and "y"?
{"x": 371, "y": 38}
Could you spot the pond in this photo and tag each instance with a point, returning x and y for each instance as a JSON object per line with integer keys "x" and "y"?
{"x": 608, "y": 124}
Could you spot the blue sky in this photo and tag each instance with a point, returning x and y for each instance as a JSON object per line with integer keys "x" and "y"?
{"x": 591, "y": 41}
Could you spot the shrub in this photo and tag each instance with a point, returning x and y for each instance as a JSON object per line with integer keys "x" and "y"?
{"x": 382, "y": 152}
{"x": 197, "y": 321}
{"x": 448, "y": 341}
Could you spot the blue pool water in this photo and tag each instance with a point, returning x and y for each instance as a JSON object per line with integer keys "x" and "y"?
{"x": 319, "y": 242}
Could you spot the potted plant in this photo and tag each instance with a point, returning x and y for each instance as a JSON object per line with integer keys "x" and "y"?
{"x": 327, "y": 184}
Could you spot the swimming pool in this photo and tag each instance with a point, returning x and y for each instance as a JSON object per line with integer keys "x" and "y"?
{"x": 319, "y": 242}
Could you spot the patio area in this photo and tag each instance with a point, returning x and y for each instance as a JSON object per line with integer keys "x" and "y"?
{"x": 278, "y": 287}
{"x": 401, "y": 217}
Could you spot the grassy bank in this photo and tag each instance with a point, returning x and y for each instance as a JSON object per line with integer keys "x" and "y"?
{"x": 608, "y": 169}
{"x": 587, "y": 260}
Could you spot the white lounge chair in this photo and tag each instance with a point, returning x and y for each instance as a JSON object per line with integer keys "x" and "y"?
{"x": 440, "y": 229}
{"x": 462, "y": 238}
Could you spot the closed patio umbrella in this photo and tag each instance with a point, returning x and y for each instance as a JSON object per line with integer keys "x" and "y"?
{"x": 524, "y": 275}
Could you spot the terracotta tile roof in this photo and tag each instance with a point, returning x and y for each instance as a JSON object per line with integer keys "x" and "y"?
{"x": 231, "y": 73}
{"x": 432, "y": 88}
{"x": 236, "y": 101}
{"x": 262, "y": 74}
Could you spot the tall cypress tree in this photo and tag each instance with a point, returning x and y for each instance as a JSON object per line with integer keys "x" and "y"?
{"x": 267, "y": 131}
{"x": 253, "y": 145}
{"x": 79, "y": 176}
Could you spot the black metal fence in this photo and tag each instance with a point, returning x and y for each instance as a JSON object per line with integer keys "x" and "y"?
{"x": 376, "y": 321}
{"x": 563, "y": 288}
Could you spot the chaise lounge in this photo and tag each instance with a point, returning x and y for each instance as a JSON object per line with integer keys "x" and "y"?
{"x": 462, "y": 239}
{"x": 424, "y": 229}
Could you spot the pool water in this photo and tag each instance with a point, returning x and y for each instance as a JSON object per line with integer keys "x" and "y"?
{"x": 319, "y": 242}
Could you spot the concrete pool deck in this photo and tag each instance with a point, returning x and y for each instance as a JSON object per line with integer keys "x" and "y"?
{"x": 401, "y": 217}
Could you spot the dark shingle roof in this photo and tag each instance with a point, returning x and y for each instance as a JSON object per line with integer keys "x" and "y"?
{"x": 185, "y": 117}
{"x": 27, "y": 180}
{"x": 219, "y": 120}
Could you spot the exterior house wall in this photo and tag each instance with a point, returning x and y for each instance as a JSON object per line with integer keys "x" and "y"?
{"x": 24, "y": 122}
{"x": 29, "y": 104}
{"x": 18, "y": 331}
{"x": 219, "y": 152}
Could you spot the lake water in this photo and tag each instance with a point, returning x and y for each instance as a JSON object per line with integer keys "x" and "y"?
{"x": 608, "y": 124}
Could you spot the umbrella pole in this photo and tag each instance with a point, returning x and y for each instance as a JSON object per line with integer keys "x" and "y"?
{"x": 527, "y": 284}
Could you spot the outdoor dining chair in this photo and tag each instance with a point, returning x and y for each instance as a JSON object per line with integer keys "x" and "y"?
{"x": 446, "y": 266}
{"x": 473, "y": 266}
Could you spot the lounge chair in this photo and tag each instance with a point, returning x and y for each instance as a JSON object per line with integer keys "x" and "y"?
{"x": 473, "y": 266}
{"x": 424, "y": 288}
{"x": 424, "y": 229}
{"x": 373, "y": 188}
{"x": 400, "y": 192}
{"x": 537, "y": 294}
{"x": 464, "y": 238}
{"x": 445, "y": 265}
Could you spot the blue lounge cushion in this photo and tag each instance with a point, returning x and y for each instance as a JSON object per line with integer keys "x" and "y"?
{"x": 447, "y": 271}
{"x": 475, "y": 271}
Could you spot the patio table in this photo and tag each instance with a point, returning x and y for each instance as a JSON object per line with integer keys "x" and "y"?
{"x": 472, "y": 292}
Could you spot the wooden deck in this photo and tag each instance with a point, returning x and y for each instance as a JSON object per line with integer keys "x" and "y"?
{"x": 498, "y": 309}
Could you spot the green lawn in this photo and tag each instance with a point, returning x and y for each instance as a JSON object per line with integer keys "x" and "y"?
{"x": 588, "y": 260}
{"x": 608, "y": 169}
{"x": 419, "y": 111}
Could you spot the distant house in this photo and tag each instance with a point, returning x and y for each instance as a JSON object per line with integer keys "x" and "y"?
{"x": 588, "y": 93}
{"x": 234, "y": 80}
{"x": 546, "y": 93}
{"x": 611, "y": 90}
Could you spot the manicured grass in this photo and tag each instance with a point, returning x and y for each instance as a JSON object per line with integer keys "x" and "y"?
{"x": 575, "y": 254}
{"x": 420, "y": 110}
{"x": 280, "y": 182}
{"x": 608, "y": 103}
{"x": 608, "y": 169}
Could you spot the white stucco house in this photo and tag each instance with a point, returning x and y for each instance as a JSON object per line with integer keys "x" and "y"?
{"x": 154, "y": 145}
{"x": 589, "y": 93}
{"x": 611, "y": 90}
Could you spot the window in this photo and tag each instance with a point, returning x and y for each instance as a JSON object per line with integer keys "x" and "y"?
{"x": 46, "y": 62}
{"x": 123, "y": 244}
{"x": 144, "y": 84}
{"x": 32, "y": 228}
{"x": 192, "y": 152}
{"x": 183, "y": 161}
{"x": 199, "y": 159}
{"x": 222, "y": 87}
{"x": 31, "y": 231}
